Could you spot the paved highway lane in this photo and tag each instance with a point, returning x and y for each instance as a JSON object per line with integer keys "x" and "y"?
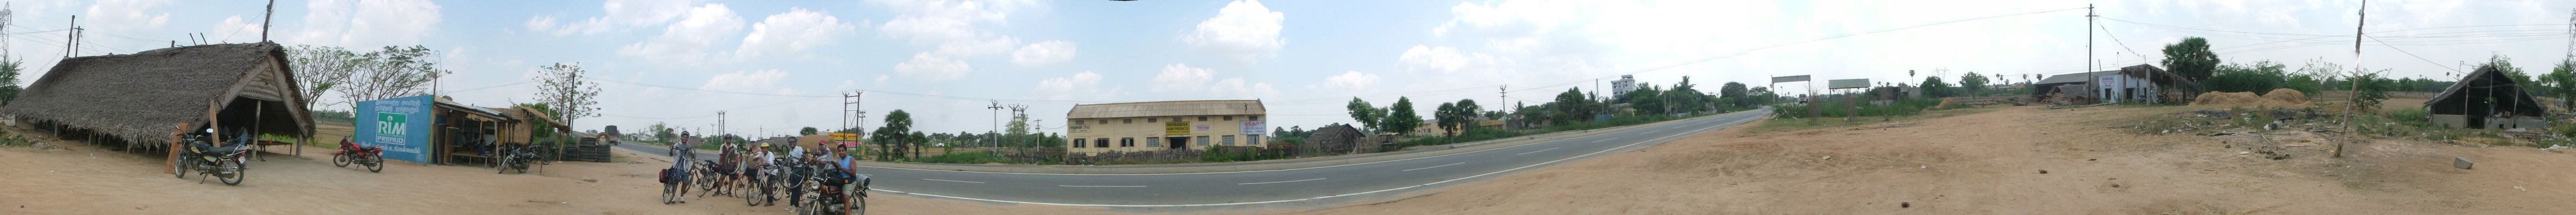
{"x": 1292, "y": 187}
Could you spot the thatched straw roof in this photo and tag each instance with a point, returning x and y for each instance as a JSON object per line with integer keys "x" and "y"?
{"x": 144, "y": 96}
{"x": 2485, "y": 92}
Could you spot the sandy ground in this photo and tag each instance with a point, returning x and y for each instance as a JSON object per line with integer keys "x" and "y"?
{"x": 1977, "y": 163}
{"x": 78, "y": 178}
{"x": 1991, "y": 163}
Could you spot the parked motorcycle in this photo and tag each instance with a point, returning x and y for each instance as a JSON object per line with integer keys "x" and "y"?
{"x": 370, "y": 156}
{"x": 205, "y": 159}
{"x": 518, "y": 157}
{"x": 830, "y": 192}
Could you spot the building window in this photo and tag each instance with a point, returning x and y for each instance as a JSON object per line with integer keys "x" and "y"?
{"x": 1079, "y": 143}
{"x": 1202, "y": 118}
{"x": 1151, "y": 120}
{"x": 1127, "y": 142}
{"x": 1253, "y": 117}
{"x": 1125, "y": 121}
{"x": 1104, "y": 122}
{"x": 1078, "y": 122}
{"x": 1203, "y": 140}
{"x": 1229, "y": 140}
{"x": 1255, "y": 139}
{"x": 1153, "y": 142}
{"x": 1229, "y": 118}
{"x": 1100, "y": 143}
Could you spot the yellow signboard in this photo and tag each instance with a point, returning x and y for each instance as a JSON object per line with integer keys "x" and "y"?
{"x": 1176, "y": 128}
{"x": 845, "y": 136}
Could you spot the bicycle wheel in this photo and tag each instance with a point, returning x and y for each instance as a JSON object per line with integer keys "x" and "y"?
{"x": 751, "y": 194}
{"x": 666, "y": 193}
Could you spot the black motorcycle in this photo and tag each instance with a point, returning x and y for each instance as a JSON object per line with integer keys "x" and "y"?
{"x": 830, "y": 192}
{"x": 224, "y": 163}
{"x": 518, "y": 157}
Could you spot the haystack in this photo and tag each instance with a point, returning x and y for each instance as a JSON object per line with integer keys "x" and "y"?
{"x": 2286, "y": 96}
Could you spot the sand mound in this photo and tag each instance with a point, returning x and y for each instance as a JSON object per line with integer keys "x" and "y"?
{"x": 2286, "y": 96}
{"x": 2280, "y": 99}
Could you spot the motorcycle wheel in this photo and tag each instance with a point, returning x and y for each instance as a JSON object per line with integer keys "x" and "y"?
{"x": 504, "y": 165}
{"x": 340, "y": 160}
{"x": 235, "y": 178}
{"x": 813, "y": 198}
{"x": 858, "y": 206}
{"x": 180, "y": 169}
{"x": 376, "y": 163}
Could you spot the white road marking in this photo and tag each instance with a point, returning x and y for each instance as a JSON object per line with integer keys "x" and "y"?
{"x": 952, "y": 181}
{"x": 1602, "y": 139}
{"x": 1280, "y": 181}
{"x": 1434, "y": 166}
{"x": 1093, "y": 186}
{"x": 1289, "y": 200}
{"x": 1541, "y": 150}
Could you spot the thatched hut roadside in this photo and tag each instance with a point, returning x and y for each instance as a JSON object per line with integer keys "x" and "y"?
{"x": 141, "y": 100}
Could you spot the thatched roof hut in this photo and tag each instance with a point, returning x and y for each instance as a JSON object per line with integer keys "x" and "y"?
{"x": 143, "y": 97}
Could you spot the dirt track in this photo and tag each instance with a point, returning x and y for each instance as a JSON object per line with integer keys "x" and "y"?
{"x": 1981, "y": 163}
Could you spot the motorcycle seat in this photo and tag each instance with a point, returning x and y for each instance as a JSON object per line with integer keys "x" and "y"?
{"x": 218, "y": 150}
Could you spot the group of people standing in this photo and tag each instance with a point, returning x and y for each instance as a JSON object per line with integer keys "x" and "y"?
{"x": 741, "y": 165}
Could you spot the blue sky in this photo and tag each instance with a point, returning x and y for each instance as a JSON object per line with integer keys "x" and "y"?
{"x": 775, "y": 65}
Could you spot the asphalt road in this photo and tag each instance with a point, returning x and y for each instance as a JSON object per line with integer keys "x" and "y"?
{"x": 1320, "y": 186}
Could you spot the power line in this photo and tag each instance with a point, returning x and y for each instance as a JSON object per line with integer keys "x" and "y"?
{"x": 2412, "y": 54}
{"x": 1750, "y": 51}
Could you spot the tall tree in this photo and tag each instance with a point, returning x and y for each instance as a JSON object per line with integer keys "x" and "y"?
{"x": 393, "y": 72}
{"x": 1367, "y": 115}
{"x": 572, "y": 96}
{"x": 320, "y": 69}
{"x": 660, "y": 131}
{"x": 2561, "y": 80}
{"x": 9, "y": 72}
{"x": 1972, "y": 83}
{"x": 1446, "y": 118}
{"x": 898, "y": 126}
{"x": 1934, "y": 88}
{"x": 808, "y": 131}
{"x": 1401, "y": 118}
{"x": 1018, "y": 130}
{"x": 2191, "y": 58}
{"x": 1571, "y": 106}
{"x": 1735, "y": 90}
{"x": 2505, "y": 65}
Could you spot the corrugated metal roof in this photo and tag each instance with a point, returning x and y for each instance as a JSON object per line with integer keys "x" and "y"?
{"x": 1167, "y": 108}
{"x": 2075, "y": 77}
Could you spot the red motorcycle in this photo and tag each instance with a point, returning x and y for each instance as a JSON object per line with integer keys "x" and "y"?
{"x": 370, "y": 156}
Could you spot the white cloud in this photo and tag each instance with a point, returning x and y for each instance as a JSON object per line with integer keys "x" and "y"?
{"x": 1181, "y": 79}
{"x": 1243, "y": 30}
{"x": 1042, "y": 53}
{"x": 932, "y": 67}
{"x": 1083, "y": 85}
{"x": 792, "y": 32}
{"x": 955, "y": 27}
{"x": 978, "y": 47}
{"x": 232, "y": 26}
{"x": 763, "y": 81}
{"x": 620, "y": 13}
{"x": 1447, "y": 60}
{"x": 881, "y": 79}
{"x": 689, "y": 41}
{"x": 1351, "y": 81}
{"x": 366, "y": 23}
{"x": 125, "y": 15}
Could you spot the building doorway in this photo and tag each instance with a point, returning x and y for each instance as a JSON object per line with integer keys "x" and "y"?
{"x": 1177, "y": 142}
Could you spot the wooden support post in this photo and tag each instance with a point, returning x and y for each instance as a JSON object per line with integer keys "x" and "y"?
{"x": 256, "y": 109}
{"x": 177, "y": 135}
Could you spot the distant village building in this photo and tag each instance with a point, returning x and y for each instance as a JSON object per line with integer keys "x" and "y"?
{"x": 2140, "y": 83}
{"x": 1164, "y": 125}
{"x": 2486, "y": 99}
{"x": 1620, "y": 88}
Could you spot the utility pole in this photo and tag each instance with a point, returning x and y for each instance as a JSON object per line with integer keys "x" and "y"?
{"x": 2091, "y": 85}
{"x": 263, "y": 20}
{"x": 2362, "y": 18}
{"x": 997, "y": 122}
{"x": 853, "y": 116}
{"x": 68, "y": 37}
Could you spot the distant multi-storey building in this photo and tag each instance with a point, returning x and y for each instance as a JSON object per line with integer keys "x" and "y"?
{"x": 1620, "y": 88}
{"x": 1163, "y": 125}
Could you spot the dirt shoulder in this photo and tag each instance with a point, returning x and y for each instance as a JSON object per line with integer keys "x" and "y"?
{"x": 78, "y": 178}
{"x": 1991, "y": 163}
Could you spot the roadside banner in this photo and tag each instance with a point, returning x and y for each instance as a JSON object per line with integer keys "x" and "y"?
{"x": 1793, "y": 78}
{"x": 1255, "y": 127}
{"x": 400, "y": 125}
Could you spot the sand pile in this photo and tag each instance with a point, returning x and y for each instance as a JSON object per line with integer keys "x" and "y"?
{"x": 2280, "y": 98}
{"x": 2286, "y": 96}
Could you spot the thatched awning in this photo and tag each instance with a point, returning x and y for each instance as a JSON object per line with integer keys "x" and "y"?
{"x": 144, "y": 96}
{"x": 2485, "y": 92}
